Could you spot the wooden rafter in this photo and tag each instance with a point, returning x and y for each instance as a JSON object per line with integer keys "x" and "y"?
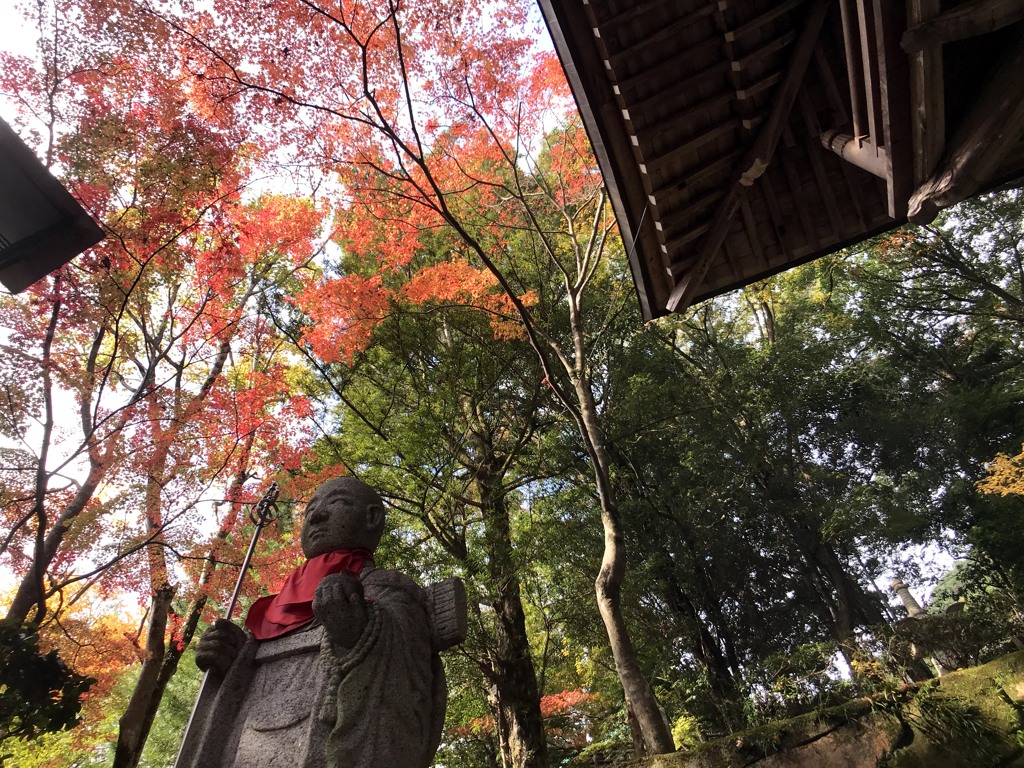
{"x": 869, "y": 67}
{"x": 768, "y": 16}
{"x": 692, "y": 178}
{"x": 668, "y": 32}
{"x": 681, "y": 86}
{"x": 894, "y": 104}
{"x": 688, "y": 147}
{"x": 851, "y": 51}
{"x": 670, "y": 63}
{"x": 770, "y": 48}
{"x": 880, "y": 141}
{"x": 639, "y": 10}
{"x": 817, "y": 166}
{"x": 927, "y": 95}
{"x": 756, "y": 160}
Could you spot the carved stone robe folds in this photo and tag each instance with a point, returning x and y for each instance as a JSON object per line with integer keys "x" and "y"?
{"x": 390, "y": 689}
{"x": 298, "y": 700}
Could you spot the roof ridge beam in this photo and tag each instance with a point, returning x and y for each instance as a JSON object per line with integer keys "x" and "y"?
{"x": 968, "y": 20}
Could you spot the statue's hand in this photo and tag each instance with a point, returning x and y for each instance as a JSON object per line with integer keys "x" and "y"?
{"x": 219, "y": 646}
{"x": 340, "y": 606}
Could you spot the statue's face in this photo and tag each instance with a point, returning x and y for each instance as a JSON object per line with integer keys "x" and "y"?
{"x": 342, "y": 514}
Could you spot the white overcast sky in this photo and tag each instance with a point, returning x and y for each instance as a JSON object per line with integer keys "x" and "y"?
{"x": 14, "y": 37}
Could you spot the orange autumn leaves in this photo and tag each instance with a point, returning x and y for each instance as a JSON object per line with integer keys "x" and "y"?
{"x": 456, "y": 282}
{"x": 345, "y": 310}
{"x": 421, "y": 112}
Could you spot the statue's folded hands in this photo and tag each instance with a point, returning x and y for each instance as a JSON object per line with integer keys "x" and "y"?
{"x": 341, "y": 607}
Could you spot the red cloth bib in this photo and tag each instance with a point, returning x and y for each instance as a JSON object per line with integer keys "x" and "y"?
{"x": 292, "y": 607}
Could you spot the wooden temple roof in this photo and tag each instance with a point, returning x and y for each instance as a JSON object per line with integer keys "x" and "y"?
{"x": 739, "y": 138}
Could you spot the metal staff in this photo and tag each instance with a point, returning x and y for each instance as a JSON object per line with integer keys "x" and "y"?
{"x": 262, "y": 515}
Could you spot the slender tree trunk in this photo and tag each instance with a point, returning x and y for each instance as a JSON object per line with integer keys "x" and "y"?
{"x": 641, "y": 702}
{"x": 30, "y": 589}
{"x": 34, "y": 578}
{"x": 28, "y": 594}
{"x": 578, "y": 400}
{"x": 707, "y": 651}
{"x": 134, "y": 725}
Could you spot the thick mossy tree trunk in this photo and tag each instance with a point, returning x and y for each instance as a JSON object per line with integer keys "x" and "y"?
{"x": 519, "y": 723}
{"x": 508, "y": 665}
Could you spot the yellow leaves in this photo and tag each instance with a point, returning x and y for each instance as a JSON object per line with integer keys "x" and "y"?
{"x": 1005, "y": 475}
{"x": 95, "y": 638}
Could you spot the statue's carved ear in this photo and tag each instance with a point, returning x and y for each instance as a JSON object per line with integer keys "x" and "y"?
{"x": 374, "y": 517}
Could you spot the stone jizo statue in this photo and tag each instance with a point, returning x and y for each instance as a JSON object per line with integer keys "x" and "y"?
{"x": 340, "y": 669}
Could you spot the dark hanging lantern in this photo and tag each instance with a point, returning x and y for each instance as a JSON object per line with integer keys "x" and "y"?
{"x": 42, "y": 227}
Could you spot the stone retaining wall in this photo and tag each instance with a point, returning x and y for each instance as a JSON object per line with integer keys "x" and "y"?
{"x": 968, "y": 719}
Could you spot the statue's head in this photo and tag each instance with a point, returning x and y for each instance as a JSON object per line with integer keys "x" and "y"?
{"x": 343, "y": 513}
